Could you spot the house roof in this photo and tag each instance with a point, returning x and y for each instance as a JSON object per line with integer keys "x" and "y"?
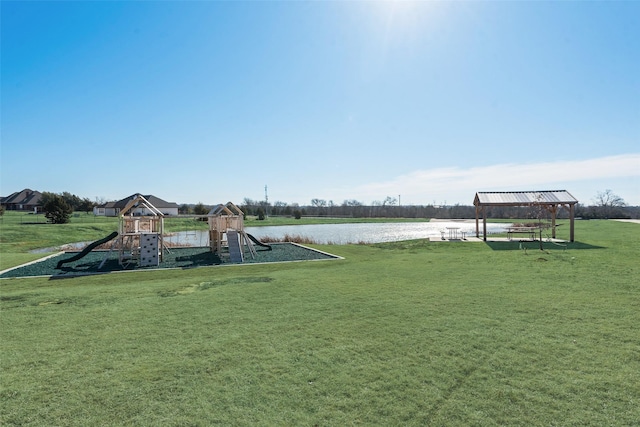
{"x": 26, "y": 197}
{"x": 524, "y": 198}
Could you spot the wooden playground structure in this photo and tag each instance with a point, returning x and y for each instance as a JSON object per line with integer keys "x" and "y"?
{"x": 226, "y": 227}
{"x": 141, "y": 237}
{"x": 140, "y": 234}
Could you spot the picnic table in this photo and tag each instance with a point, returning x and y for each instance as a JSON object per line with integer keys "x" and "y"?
{"x": 453, "y": 232}
{"x": 530, "y": 231}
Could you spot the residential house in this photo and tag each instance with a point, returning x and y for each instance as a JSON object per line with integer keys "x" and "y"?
{"x": 25, "y": 200}
{"x": 114, "y": 208}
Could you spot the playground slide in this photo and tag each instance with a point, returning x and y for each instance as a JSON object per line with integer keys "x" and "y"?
{"x": 258, "y": 242}
{"x": 233, "y": 241}
{"x": 88, "y": 249}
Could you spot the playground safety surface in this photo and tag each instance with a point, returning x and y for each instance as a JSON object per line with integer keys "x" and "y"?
{"x": 183, "y": 257}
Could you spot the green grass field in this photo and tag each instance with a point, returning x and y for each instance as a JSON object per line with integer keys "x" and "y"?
{"x": 408, "y": 333}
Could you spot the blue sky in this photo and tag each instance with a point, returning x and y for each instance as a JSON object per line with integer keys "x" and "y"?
{"x": 337, "y": 100}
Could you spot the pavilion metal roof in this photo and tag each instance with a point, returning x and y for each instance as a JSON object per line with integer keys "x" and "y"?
{"x": 524, "y": 198}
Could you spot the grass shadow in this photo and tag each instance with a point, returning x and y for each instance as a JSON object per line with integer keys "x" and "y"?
{"x": 515, "y": 245}
{"x": 200, "y": 259}
{"x": 88, "y": 269}
{"x": 78, "y": 274}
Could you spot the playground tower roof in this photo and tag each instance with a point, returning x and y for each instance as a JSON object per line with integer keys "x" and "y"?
{"x": 229, "y": 209}
{"x": 140, "y": 201}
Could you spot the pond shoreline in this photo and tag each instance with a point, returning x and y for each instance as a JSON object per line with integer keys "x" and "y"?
{"x": 336, "y": 234}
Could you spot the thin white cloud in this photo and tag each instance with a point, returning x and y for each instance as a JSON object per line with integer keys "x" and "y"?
{"x": 441, "y": 183}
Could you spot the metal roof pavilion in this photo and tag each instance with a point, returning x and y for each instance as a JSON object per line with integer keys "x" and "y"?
{"x": 524, "y": 198}
{"x": 548, "y": 199}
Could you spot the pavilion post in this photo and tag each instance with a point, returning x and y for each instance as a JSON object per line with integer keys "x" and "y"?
{"x": 571, "y": 215}
{"x": 484, "y": 224}
{"x": 477, "y": 225}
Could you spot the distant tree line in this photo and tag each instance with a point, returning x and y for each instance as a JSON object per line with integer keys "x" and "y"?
{"x": 605, "y": 205}
{"x": 197, "y": 209}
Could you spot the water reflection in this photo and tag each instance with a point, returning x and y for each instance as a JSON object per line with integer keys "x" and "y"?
{"x": 70, "y": 247}
{"x": 342, "y": 234}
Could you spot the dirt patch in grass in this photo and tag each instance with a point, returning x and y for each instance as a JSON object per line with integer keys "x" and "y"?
{"x": 173, "y": 258}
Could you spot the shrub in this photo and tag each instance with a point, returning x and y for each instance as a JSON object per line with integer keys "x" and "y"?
{"x": 200, "y": 209}
{"x": 56, "y": 209}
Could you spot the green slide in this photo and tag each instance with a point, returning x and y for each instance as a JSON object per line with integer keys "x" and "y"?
{"x": 258, "y": 242}
{"x": 88, "y": 249}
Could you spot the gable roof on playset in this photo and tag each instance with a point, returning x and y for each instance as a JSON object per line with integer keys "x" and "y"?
{"x": 155, "y": 201}
{"x": 229, "y": 209}
{"x": 548, "y": 199}
{"x": 139, "y": 201}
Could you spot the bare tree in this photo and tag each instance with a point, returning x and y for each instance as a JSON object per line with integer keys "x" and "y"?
{"x": 279, "y": 208}
{"x": 540, "y": 214}
{"x": 319, "y": 206}
{"x": 389, "y": 201}
{"x": 607, "y": 198}
{"x": 609, "y": 204}
{"x": 249, "y": 206}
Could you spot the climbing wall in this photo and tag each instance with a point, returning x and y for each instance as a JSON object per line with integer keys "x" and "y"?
{"x": 149, "y": 250}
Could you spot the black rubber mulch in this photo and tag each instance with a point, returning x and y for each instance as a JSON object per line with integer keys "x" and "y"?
{"x": 176, "y": 258}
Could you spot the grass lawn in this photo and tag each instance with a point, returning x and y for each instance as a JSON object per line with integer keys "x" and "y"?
{"x": 409, "y": 333}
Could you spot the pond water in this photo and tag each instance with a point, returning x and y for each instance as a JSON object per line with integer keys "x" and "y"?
{"x": 342, "y": 234}
{"x": 77, "y": 246}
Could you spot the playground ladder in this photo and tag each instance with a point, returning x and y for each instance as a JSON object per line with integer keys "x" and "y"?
{"x": 252, "y": 250}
